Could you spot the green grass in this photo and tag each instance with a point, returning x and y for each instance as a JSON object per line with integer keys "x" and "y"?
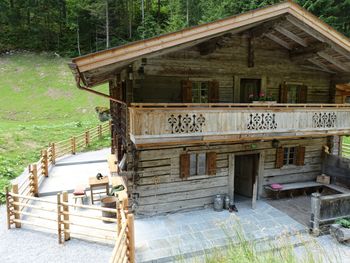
{"x": 39, "y": 104}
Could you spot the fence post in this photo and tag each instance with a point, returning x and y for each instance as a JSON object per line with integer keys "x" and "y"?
{"x": 131, "y": 238}
{"x": 66, "y": 216}
{"x": 16, "y": 207}
{"x": 119, "y": 217}
{"x": 99, "y": 131}
{"x": 74, "y": 147}
{"x": 59, "y": 219}
{"x": 34, "y": 170}
{"x": 8, "y": 210}
{"x": 315, "y": 213}
{"x": 87, "y": 138}
{"x": 53, "y": 153}
{"x": 44, "y": 164}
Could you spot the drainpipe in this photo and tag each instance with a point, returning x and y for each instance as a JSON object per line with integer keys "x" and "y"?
{"x": 78, "y": 82}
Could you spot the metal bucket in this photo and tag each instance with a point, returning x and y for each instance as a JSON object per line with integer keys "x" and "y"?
{"x": 218, "y": 203}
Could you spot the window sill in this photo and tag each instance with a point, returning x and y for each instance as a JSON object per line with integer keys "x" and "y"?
{"x": 195, "y": 177}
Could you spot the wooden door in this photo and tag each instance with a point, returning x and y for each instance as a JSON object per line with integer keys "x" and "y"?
{"x": 249, "y": 87}
{"x": 246, "y": 176}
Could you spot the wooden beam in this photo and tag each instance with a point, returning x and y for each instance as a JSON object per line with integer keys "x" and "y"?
{"x": 320, "y": 65}
{"x": 250, "y": 50}
{"x": 279, "y": 41}
{"x": 291, "y": 35}
{"x": 334, "y": 61}
{"x": 312, "y": 32}
{"x": 308, "y": 52}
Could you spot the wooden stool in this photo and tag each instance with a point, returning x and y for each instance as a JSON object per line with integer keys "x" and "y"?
{"x": 79, "y": 193}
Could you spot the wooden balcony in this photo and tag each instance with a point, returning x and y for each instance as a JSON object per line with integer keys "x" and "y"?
{"x": 184, "y": 123}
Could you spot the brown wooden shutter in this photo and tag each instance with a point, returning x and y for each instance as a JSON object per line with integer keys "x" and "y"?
{"x": 300, "y": 158}
{"x": 283, "y": 93}
{"x": 184, "y": 165}
{"x": 302, "y": 94}
{"x": 279, "y": 157}
{"x": 186, "y": 86}
{"x": 214, "y": 91}
{"x": 211, "y": 163}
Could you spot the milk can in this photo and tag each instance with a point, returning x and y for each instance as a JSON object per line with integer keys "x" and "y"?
{"x": 218, "y": 203}
{"x": 227, "y": 202}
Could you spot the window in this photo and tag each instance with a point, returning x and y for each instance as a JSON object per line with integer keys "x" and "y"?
{"x": 289, "y": 156}
{"x": 195, "y": 164}
{"x": 293, "y": 93}
{"x": 347, "y": 100}
{"x": 200, "y": 92}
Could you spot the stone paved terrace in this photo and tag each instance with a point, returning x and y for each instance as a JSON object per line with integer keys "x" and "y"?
{"x": 182, "y": 235}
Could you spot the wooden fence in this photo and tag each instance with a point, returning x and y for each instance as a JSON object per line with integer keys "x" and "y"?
{"x": 58, "y": 216}
{"x": 35, "y": 173}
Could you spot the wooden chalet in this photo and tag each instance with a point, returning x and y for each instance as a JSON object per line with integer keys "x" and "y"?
{"x": 185, "y": 126}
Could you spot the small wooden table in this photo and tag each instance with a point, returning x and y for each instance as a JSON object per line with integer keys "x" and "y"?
{"x": 94, "y": 183}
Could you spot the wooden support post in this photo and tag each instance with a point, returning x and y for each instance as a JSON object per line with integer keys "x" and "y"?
{"x": 59, "y": 219}
{"x": 131, "y": 238}
{"x": 119, "y": 217}
{"x": 66, "y": 216}
{"x": 53, "y": 153}
{"x": 87, "y": 138}
{"x": 125, "y": 203}
{"x": 16, "y": 207}
{"x": 99, "y": 130}
{"x": 110, "y": 126}
{"x": 44, "y": 163}
{"x": 34, "y": 170}
{"x": 8, "y": 208}
{"x": 74, "y": 145}
{"x": 315, "y": 213}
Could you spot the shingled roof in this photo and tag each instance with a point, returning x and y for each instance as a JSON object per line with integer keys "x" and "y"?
{"x": 287, "y": 24}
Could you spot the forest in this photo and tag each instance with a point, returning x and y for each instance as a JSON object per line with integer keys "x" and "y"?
{"x": 77, "y": 27}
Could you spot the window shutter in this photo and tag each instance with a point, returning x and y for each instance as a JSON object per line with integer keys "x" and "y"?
{"x": 279, "y": 157}
{"x": 211, "y": 163}
{"x": 283, "y": 93}
{"x": 186, "y": 86}
{"x": 214, "y": 91}
{"x": 300, "y": 160}
{"x": 184, "y": 165}
{"x": 302, "y": 94}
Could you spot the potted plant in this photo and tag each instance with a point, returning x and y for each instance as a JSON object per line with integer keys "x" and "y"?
{"x": 262, "y": 98}
{"x": 341, "y": 230}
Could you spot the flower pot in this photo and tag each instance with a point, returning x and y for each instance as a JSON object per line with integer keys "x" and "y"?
{"x": 264, "y": 102}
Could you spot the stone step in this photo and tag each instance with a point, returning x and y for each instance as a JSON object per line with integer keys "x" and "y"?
{"x": 198, "y": 252}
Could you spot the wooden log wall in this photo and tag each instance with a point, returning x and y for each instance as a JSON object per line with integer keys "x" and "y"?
{"x": 160, "y": 189}
{"x": 161, "y": 80}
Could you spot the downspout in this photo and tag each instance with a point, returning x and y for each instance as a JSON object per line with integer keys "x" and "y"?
{"x": 78, "y": 81}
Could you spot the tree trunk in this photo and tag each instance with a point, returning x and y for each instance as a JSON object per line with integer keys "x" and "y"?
{"x": 107, "y": 26}
{"x": 187, "y": 14}
{"x": 78, "y": 37}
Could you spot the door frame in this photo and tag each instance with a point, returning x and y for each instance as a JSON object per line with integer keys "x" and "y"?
{"x": 257, "y": 187}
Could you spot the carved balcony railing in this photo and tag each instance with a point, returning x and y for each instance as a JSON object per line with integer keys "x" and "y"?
{"x": 157, "y": 123}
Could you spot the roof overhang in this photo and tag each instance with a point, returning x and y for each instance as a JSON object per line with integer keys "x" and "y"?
{"x": 100, "y": 67}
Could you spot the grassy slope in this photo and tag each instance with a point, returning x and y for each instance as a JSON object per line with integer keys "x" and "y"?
{"x": 39, "y": 103}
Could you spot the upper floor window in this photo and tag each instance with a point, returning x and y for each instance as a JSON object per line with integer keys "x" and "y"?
{"x": 200, "y": 91}
{"x": 293, "y": 93}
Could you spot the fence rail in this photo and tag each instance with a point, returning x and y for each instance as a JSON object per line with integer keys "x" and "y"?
{"x": 37, "y": 172}
{"x": 60, "y": 216}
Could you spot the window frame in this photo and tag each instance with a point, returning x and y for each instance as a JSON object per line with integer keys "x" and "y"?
{"x": 286, "y": 160}
{"x": 197, "y": 89}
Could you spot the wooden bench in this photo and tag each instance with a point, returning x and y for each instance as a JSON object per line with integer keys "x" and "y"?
{"x": 294, "y": 186}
